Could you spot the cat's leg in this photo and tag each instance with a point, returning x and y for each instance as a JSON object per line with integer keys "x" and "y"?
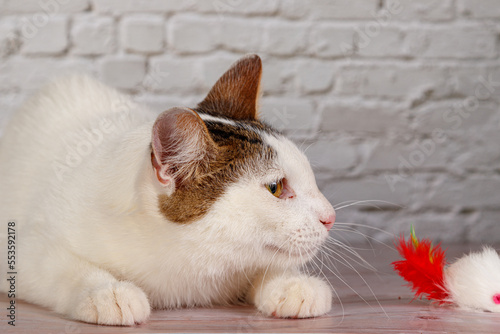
{"x": 81, "y": 291}
{"x": 290, "y": 295}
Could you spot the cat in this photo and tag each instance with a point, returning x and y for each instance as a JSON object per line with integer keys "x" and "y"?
{"x": 119, "y": 210}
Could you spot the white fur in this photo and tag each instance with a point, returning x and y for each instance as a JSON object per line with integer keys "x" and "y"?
{"x": 93, "y": 245}
{"x": 210, "y": 118}
{"x": 474, "y": 279}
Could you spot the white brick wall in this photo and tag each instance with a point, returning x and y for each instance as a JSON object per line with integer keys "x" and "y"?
{"x": 135, "y": 28}
{"x": 51, "y": 39}
{"x": 393, "y": 100}
{"x": 93, "y": 35}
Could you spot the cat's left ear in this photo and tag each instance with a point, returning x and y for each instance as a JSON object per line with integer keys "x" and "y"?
{"x": 235, "y": 95}
{"x": 181, "y": 146}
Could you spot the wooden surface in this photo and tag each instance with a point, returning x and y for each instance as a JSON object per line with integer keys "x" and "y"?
{"x": 386, "y": 310}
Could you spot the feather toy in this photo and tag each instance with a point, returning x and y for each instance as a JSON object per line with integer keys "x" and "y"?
{"x": 472, "y": 282}
{"x": 422, "y": 267}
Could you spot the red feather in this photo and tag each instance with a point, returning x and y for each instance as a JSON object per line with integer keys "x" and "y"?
{"x": 422, "y": 268}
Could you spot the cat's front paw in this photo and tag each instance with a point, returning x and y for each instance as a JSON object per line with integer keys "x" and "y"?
{"x": 118, "y": 303}
{"x": 294, "y": 297}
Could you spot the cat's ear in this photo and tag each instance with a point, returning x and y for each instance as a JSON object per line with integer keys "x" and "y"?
{"x": 235, "y": 95}
{"x": 181, "y": 146}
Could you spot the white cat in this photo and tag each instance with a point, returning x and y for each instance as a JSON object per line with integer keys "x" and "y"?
{"x": 118, "y": 210}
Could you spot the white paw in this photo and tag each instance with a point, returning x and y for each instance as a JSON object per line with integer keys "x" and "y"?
{"x": 119, "y": 303}
{"x": 295, "y": 297}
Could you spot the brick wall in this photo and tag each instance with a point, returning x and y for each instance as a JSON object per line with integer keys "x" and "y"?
{"x": 393, "y": 100}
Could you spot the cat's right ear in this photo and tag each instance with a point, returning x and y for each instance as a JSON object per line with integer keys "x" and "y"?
{"x": 236, "y": 94}
{"x": 181, "y": 146}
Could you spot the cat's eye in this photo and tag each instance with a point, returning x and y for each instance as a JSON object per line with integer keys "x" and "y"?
{"x": 275, "y": 188}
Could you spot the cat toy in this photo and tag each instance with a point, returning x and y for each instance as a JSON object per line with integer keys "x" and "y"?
{"x": 472, "y": 282}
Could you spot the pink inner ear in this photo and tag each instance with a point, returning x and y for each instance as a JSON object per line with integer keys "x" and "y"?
{"x": 496, "y": 298}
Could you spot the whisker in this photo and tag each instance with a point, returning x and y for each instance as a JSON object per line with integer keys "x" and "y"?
{"x": 347, "y": 264}
{"x": 331, "y": 285}
{"x": 347, "y": 245}
{"x": 368, "y": 201}
{"x": 269, "y": 265}
{"x": 344, "y": 202}
{"x": 356, "y": 258}
{"x": 247, "y": 278}
{"x": 367, "y": 237}
{"x": 367, "y": 226}
{"x": 340, "y": 278}
{"x": 336, "y": 251}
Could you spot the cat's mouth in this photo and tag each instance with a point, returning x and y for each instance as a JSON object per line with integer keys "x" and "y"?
{"x": 296, "y": 252}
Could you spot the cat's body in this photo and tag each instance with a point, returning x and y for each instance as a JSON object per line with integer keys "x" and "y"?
{"x": 117, "y": 209}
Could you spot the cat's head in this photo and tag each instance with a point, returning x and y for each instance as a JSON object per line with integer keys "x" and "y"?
{"x": 227, "y": 173}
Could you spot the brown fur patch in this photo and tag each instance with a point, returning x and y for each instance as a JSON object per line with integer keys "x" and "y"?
{"x": 235, "y": 94}
{"x": 238, "y": 150}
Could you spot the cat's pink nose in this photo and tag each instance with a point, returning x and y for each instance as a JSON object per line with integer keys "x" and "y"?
{"x": 328, "y": 222}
